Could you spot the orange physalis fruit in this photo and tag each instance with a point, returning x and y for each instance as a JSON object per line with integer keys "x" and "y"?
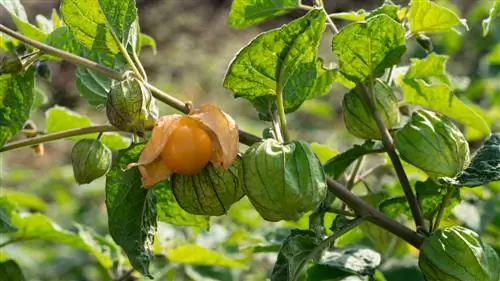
{"x": 185, "y": 144}
{"x": 188, "y": 149}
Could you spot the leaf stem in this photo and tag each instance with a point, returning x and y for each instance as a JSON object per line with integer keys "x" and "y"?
{"x": 74, "y": 59}
{"x": 59, "y": 135}
{"x": 281, "y": 114}
{"x": 388, "y": 142}
{"x": 354, "y": 173}
{"x": 446, "y": 199}
{"x": 139, "y": 66}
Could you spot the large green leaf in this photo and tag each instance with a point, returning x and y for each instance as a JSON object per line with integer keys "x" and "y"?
{"x": 427, "y": 16}
{"x": 63, "y": 39}
{"x": 120, "y": 15}
{"x": 245, "y": 13}
{"x": 282, "y": 60}
{"x": 61, "y": 119}
{"x": 198, "y": 255}
{"x": 494, "y": 12}
{"x": 295, "y": 252}
{"x": 335, "y": 265}
{"x": 20, "y": 19}
{"x": 131, "y": 210}
{"x": 483, "y": 167}
{"x": 6, "y": 209}
{"x": 10, "y": 271}
{"x": 16, "y": 97}
{"x": 170, "y": 212}
{"x": 338, "y": 164}
{"x": 427, "y": 84}
{"x": 367, "y": 48}
{"x": 88, "y": 22}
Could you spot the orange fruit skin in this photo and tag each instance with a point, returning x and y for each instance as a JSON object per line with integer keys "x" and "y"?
{"x": 188, "y": 148}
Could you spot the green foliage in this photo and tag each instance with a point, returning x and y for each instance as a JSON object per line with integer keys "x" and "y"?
{"x": 338, "y": 164}
{"x": 386, "y": 44}
{"x": 282, "y": 181}
{"x": 170, "y": 212}
{"x": 16, "y": 98}
{"x": 483, "y": 165}
{"x": 429, "y": 17}
{"x": 457, "y": 253}
{"x": 245, "y": 13}
{"x": 61, "y": 119}
{"x": 20, "y": 19}
{"x": 10, "y": 271}
{"x": 131, "y": 210}
{"x": 198, "y": 255}
{"x": 494, "y": 12}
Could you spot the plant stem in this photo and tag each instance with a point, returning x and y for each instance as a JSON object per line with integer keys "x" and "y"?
{"x": 58, "y": 135}
{"x": 281, "y": 114}
{"x": 139, "y": 66}
{"x": 446, "y": 199}
{"x": 74, "y": 59}
{"x": 340, "y": 212}
{"x": 373, "y": 215}
{"x": 388, "y": 142}
{"x": 354, "y": 174}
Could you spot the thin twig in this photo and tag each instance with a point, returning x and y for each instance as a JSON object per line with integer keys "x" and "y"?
{"x": 340, "y": 212}
{"x": 388, "y": 142}
{"x": 446, "y": 199}
{"x": 74, "y": 59}
{"x": 354, "y": 173}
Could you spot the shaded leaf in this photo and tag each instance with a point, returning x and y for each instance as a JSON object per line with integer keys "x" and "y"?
{"x": 131, "y": 210}
{"x": 494, "y": 12}
{"x": 61, "y": 119}
{"x": 367, "y": 48}
{"x": 10, "y": 271}
{"x": 282, "y": 60}
{"x": 16, "y": 98}
{"x": 345, "y": 262}
{"x": 6, "y": 209}
{"x": 294, "y": 254}
{"x": 62, "y": 38}
{"x": 245, "y": 13}
{"x": 338, "y": 164}
{"x": 170, "y": 212}
{"x": 427, "y": 16}
{"x": 483, "y": 167}
{"x": 197, "y": 255}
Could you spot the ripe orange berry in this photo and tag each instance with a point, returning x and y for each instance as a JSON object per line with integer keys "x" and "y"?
{"x": 188, "y": 149}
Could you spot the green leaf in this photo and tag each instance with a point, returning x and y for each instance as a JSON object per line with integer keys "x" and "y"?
{"x": 62, "y": 38}
{"x": 131, "y": 210}
{"x": 359, "y": 15}
{"x": 10, "y": 271}
{"x": 366, "y": 49}
{"x": 483, "y": 167}
{"x": 388, "y": 9}
{"x": 323, "y": 152}
{"x": 245, "y": 13}
{"x": 335, "y": 265}
{"x": 427, "y": 16}
{"x": 93, "y": 86}
{"x": 6, "y": 209}
{"x": 494, "y": 56}
{"x": 294, "y": 254}
{"x": 120, "y": 15}
{"x": 87, "y": 21}
{"x": 147, "y": 41}
{"x": 282, "y": 60}
{"x": 170, "y": 212}
{"x": 338, "y": 164}
{"x": 16, "y": 97}
{"x": 24, "y": 199}
{"x": 494, "y": 12}
{"x": 61, "y": 119}
{"x": 197, "y": 255}
{"x": 20, "y": 19}
{"x": 430, "y": 196}
{"x": 427, "y": 84}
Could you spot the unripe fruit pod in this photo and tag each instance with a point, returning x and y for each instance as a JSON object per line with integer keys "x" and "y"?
{"x": 91, "y": 159}
{"x": 458, "y": 254}
{"x": 282, "y": 181}
{"x": 130, "y": 106}
{"x": 433, "y": 144}
{"x": 210, "y": 192}
{"x": 358, "y": 118}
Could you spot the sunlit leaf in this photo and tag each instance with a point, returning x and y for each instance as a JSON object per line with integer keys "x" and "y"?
{"x": 197, "y": 255}
{"x": 323, "y": 152}
{"x": 63, "y": 39}
{"x": 61, "y": 119}
{"x": 427, "y": 16}
{"x": 16, "y": 98}
{"x": 245, "y": 13}
{"x": 366, "y": 49}
{"x": 131, "y": 210}
{"x": 20, "y": 19}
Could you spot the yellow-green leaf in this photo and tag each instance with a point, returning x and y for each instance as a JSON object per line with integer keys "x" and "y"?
{"x": 427, "y": 16}
{"x": 198, "y": 255}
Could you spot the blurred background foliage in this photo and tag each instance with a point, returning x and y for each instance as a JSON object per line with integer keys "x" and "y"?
{"x": 194, "y": 48}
